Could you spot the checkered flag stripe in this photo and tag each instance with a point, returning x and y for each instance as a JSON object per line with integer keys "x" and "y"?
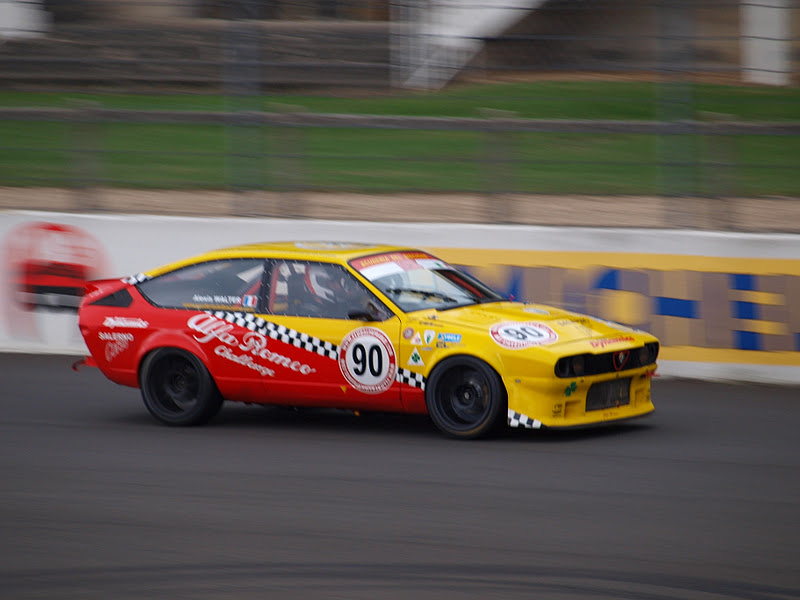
{"x": 410, "y": 378}
{"x": 134, "y": 279}
{"x": 516, "y": 419}
{"x": 279, "y": 332}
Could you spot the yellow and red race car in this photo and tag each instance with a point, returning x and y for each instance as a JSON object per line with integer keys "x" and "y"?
{"x": 361, "y": 327}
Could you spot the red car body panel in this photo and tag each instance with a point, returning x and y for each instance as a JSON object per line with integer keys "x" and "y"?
{"x": 119, "y": 338}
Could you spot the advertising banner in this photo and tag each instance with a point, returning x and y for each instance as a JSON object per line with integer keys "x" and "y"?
{"x": 723, "y": 305}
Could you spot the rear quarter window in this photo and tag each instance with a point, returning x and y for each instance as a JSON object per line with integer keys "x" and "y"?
{"x": 231, "y": 284}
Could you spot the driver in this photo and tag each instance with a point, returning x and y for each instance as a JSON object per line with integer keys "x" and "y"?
{"x": 332, "y": 291}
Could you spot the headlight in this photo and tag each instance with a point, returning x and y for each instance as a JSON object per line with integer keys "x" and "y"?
{"x": 571, "y": 366}
{"x": 648, "y": 354}
{"x": 578, "y": 365}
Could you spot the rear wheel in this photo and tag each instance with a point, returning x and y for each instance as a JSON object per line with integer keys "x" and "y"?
{"x": 177, "y": 389}
{"x": 465, "y": 397}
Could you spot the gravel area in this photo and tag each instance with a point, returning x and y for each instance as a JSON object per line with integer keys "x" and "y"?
{"x": 735, "y": 214}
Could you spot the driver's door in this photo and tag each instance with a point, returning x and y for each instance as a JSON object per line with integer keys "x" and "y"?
{"x": 319, "y": 355}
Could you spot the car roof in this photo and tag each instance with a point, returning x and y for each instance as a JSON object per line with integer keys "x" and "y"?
{"x": 308, "y": 250}
{"x": 298, "y": 250}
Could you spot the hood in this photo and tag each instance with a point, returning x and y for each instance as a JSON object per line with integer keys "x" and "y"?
{"x": 508, "y": 322}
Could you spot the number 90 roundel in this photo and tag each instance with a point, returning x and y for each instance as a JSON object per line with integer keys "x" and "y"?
{"x": 367, "y": 360}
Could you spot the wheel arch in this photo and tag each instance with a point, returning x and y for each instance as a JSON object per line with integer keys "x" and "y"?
{"x": 443, "y": 403}
{"x": 168, "y": 339}
{"x": 495, "y": 363}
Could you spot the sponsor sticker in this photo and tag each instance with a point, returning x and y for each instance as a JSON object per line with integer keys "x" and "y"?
{"x": 116, "y": 343}
{"x": 433, "y": 264}
{"x": 622, "y": 339}
{"x": 125, "y": 322}
{"x": 417, "y": 339}
{"x": 429, "y": 336}
{"x": 516, "y": 335}
{"x": 449, "y": 338}
{"x": 415, "y": 360}
{"x": 408, "y": 333}
{"x": 367, "y": 360}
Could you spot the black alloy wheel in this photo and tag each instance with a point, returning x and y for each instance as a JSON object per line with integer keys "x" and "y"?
{"x": 465, "y": 397}
{"x": 177, "y": 389}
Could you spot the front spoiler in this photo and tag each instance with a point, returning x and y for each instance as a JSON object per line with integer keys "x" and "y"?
{"x": 517, "y": 420}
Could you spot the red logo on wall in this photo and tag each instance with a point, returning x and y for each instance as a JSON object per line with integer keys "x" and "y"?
{"x": 46, "y": 268}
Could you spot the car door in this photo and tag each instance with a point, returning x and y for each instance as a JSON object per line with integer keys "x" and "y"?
{"x": 330, "y": 341}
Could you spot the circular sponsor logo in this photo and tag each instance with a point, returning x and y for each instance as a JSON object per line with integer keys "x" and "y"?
{"x": 367, "y": 360}
{"x": 408, "y": 333}
{"x": 522, "y": 334}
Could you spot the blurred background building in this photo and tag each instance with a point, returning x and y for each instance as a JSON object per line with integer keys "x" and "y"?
{"x": 514, "y": 102}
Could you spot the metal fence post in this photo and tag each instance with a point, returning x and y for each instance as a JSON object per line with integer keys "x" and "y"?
{"x": 86, "y": 152}
{"x": 719, "y": 171}
{"x": 244, "y": 136}
{"x": 676, "y": 149}
{"x": 287, "y": 169}
{"x": 498, "y": 165}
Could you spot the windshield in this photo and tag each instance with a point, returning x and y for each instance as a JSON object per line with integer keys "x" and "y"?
{"x": 415, "y": 280}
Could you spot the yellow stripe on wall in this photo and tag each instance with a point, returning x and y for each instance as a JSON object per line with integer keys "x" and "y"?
{"x": 621, "y": 260}
{"x": 756, "y": 326}
{"x": 757, "y": 297}
{"x": 724, "y": 355}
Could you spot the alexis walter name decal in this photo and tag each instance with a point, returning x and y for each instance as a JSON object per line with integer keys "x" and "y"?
{"x": 252, "y": 344}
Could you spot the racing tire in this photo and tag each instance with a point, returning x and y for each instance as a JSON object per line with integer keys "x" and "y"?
{"x": 465, "y": 398}
{"x": 177, "y": 388}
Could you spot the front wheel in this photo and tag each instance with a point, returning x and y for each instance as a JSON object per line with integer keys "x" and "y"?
{"x": 465, "y": 397}
{"x": 177, "y": 389}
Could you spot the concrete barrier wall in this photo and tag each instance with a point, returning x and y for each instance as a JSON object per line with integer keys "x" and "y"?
{"x": 724, "y": 305}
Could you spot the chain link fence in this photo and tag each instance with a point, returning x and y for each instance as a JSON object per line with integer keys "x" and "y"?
{"x": 518, "y": 106}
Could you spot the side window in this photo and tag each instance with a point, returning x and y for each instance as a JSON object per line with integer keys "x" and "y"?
{"x": 312, "y": 289}
{"x": 232, "y": 284}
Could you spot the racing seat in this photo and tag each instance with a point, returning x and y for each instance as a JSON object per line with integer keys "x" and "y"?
{"x": 301, "y": 301}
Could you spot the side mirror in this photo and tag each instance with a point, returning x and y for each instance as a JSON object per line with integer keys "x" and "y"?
{"x": 360, "y": 314}
{"x": 370, "y": 312}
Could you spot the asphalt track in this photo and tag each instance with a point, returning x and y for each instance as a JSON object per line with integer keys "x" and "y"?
{"x": 700, "y": 500}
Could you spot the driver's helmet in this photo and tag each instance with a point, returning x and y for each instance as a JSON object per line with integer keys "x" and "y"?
{"x": 323, "y": 283}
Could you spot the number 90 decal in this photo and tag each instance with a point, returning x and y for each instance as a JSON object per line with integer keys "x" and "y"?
{"x": 522, "y": 334}
{"x": 367, "y": 360}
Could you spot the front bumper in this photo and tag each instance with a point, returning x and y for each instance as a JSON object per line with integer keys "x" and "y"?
{"x": 580, "y": 402}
